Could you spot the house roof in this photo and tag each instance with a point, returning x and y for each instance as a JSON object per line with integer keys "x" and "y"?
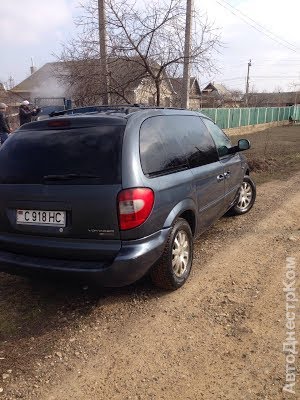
{"x": 217, "y": 87}
{"x": 39, "y": 77}
{"x": 177, "y": 84}
{"x": 124, "y": 73}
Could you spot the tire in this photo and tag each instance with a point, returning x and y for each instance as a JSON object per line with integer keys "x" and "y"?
{"x": 246, "y": 197}
{"x": 172, "y": 270}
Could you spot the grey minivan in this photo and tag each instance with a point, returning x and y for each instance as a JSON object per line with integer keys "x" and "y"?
{"x": 110, "y": 196}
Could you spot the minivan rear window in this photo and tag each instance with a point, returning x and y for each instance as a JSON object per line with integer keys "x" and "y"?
{"x": 89, "y": 155}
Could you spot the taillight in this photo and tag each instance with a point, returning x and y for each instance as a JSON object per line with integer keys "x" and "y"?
{"x": 134, "y": 206}
{"x": 59, "y": 123}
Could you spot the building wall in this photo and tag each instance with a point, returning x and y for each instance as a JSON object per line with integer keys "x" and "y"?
{"x": 146, "y": 93}
{"x": 129, "y": 96}
{"x": 195, "y": 103}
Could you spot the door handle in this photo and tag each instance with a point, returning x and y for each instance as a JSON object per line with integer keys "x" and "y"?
{"x": 227, "y": 174}
{"x": 220, "y": 178}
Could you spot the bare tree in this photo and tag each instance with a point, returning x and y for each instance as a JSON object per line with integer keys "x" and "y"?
{"x": 148, "y": 36}
{"x": 235, "y": 96}
{"x": 257, "y": 99}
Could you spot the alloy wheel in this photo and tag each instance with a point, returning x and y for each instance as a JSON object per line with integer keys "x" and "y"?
{"x": 180, "y": 253}
{"x": 245, "y": 196}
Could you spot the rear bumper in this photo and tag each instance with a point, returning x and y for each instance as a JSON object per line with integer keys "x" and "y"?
{"x": 132, "y": 262}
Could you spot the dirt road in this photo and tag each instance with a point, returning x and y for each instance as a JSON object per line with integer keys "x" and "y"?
{"x": 219, "y": 337}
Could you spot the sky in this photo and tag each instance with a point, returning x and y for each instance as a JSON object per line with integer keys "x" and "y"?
{"x": 37, "y": 29}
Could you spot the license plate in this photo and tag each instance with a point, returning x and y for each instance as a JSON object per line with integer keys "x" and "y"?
{"x": 40, "y": 217}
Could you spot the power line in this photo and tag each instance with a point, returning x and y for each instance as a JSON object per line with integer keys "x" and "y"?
{"x": 205, "y": 84}
{"x": 275, "y": 67}
{"x": 234, "y": 79}
{"x": 276, "y": 77}
{"x": 242, "y": 78}
{"x": 281, "y": 59}
{"x": 279, "y": 64}
{"x": 255, "y": 27}
{"x": 263, "y": 27}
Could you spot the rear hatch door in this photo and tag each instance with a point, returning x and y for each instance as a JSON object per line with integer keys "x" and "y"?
{"x": 59, "y": 181}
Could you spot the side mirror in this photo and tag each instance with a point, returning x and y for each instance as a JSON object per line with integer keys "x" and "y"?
{"x": 223, "y": 151}
{"x": 243, "y": 144}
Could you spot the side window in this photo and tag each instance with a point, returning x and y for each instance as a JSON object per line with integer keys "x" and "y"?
{"x": 198, "y": 145}
{"x": 222, "y": 141}
{"x": 160, "y": 148}
{"x": 171, "y": 143}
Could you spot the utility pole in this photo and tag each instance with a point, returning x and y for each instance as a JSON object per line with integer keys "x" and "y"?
{"x": 247, "y": 82}
{"x": 185, "y": 96}
{"x": 103, "y": 52}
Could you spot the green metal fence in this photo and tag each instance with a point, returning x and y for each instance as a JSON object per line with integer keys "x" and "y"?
{"x": 296, "y": 113}
{"x": 235, "y": 117}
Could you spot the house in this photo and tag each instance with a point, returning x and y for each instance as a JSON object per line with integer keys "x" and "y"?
{"x": 217, "y": 95}
{"x": 195, "y": 92}
{"x": 43, "y": 82}
{"x": 81, "y": 81}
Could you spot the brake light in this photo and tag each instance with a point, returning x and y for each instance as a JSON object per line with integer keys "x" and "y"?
{"x": 134, "y": 206}
{"x": 59, "y": 123}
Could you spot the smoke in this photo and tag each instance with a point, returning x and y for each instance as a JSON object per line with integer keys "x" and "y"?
{"x": 50, "y": 87}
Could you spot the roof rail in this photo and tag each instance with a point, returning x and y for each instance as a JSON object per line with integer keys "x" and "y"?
{"x": 95, "y": 108}
{"x": 118, "y": 108}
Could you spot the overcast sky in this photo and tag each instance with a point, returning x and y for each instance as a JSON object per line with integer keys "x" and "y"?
{"x": 36, "y": 29}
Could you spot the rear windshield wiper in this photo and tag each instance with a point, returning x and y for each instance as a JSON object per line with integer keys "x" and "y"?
{"x": 66, "y": 177}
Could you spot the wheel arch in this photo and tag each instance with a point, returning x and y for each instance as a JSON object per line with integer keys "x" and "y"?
{"x": 186, "y": 209}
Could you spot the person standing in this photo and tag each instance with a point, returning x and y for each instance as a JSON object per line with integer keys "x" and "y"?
{"x": 4, "y": 126}
{"x": 25, "y": 113}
